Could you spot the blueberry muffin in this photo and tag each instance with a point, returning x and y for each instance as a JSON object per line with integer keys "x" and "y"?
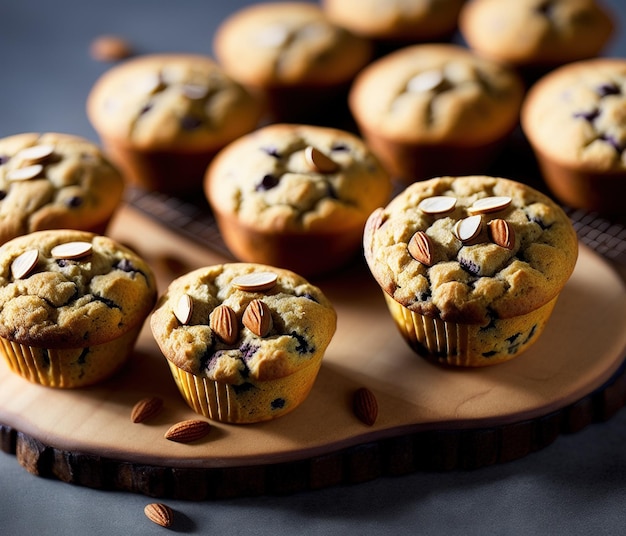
{"x": 574, "y": 120}
{"x": 470, "y": 267}
{"x": 292, "y": 56}
{"x": 244, "y": 341}
{"x": 72, "y": 304}
{"x": 536, "y": 35}
{"x": 435, "y": 109}
{"x": 162, "y": 117}
{"x": 296, "y": 196}
{"x": 55, "y": 181}
{"x": 394, "y": 23}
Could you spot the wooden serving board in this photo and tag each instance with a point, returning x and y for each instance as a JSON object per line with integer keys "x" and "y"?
{"x": 430, "y": 417}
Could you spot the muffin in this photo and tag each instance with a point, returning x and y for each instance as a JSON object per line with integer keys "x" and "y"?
{"x": 535, "y": 36}
{"x": 162, "y": 117}
{"x": 435, "y": 109}
{"x": 296, "y": 196}
{"x": 470, "y": 267}
{"x": 55, "y": 181}
{"x": 244, "y": 341}
{"x": 293, "y": 57}
{"x": 394, "y": 23}
{"x": 72, "y": 304}
{"x": 574, "y": 119}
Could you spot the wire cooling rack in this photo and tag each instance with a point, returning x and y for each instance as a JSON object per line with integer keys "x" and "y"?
{"x": 193, "y": 219}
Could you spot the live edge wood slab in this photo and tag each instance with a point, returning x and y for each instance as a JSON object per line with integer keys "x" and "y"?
{"x": 430, "y": 417}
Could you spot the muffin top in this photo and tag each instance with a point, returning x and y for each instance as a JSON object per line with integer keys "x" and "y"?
{"x": 576, "y": 115}
{"x": 54, "y": 181}
{"x": 433, "y": 93}
{"x": 287, "y": 177}
{"x": 395, "y": 20}
{"x": 67, "y": 288}
{"x": 242, "y": 321}
{"x": 285, "y": 44}
{"x": 171, "y": 101}
{"x": 536, "y": 32}
{"x": 468, "y": 249}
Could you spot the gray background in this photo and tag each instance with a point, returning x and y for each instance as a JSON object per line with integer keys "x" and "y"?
{"x": 577, "y": 485}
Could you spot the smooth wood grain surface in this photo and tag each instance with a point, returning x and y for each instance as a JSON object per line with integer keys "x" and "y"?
{"x": 429, "y": 416}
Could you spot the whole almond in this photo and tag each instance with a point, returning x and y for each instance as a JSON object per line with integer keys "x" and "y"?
{"x": 188, "y": 431}
{"x": 146, "y": 408}
{"x": 420, "y": 248}
{"x": 110, "y": 48}
{"x": 223, "y": 321}
{"x": 258, "y": 318}
{"x": 502, "y": 233}
{"x": 159, "y": 513}
{"x": 365, "y": 406}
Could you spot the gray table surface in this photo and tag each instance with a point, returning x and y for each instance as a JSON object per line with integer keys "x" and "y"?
{"x": 577, "y": 485}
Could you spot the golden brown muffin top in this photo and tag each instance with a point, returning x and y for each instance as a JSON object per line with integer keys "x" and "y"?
{"x": 171, "y": 101}
{"x": 239, "y": 321}
{"x": 287, "y": 177}
{"x": 513, "y": 256}
{"x": 66, "y": 288}
{"x": 54, "y": 180}
{"x": 577, "y": 114}
{"x": 536, "y": 32}
{"x": 395, "y": 20}
{"x": 436, "y": 93}
{"x": 284, "y": 44}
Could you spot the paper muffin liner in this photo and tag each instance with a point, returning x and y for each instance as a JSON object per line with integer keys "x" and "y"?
{"x": 68, "y": 367}
{"x": 469, "y": 345}
{"x": 249, "y": 402}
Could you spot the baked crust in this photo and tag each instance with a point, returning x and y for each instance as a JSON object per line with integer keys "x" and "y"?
{"x": 73, "y": 303}
{"x": 480, "y": 280}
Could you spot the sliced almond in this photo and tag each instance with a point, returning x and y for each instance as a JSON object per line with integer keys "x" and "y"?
{"x": 188, "y": 431}
{"x": 159, "y": 513}
{"x": 25, "y": 173}
{"x": 256, "y": 281}
{"x": 420, "y": 248}
{"x": 184, "y": 309}
{"x": 438, "y": 204}
{"x": 490, "y": 204}
{"x": 425, "y": 81}
{"x": 468, "y": 228}
{"x": 318, "y": 161}
{"x": 72, "y": 250}
{"x": 223, "y": 321}
{"x": 365, "y": 406}
{"x": 146, "y": 408}
{"x": 195, "y": 91}
{"x": 151, "y": 83}
{"x": 36, "y": 153}
{"x": 258, "y": 318}
{"x": 274, "y": 35}
{"x": 502, "y": 233}
{"x": 24, "y": 263}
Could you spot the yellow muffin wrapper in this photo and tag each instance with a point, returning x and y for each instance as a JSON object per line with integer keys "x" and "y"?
{"x": 68, "y": 368}
{"x": 255, "y": 401}
{"x": 469, "y": 345}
